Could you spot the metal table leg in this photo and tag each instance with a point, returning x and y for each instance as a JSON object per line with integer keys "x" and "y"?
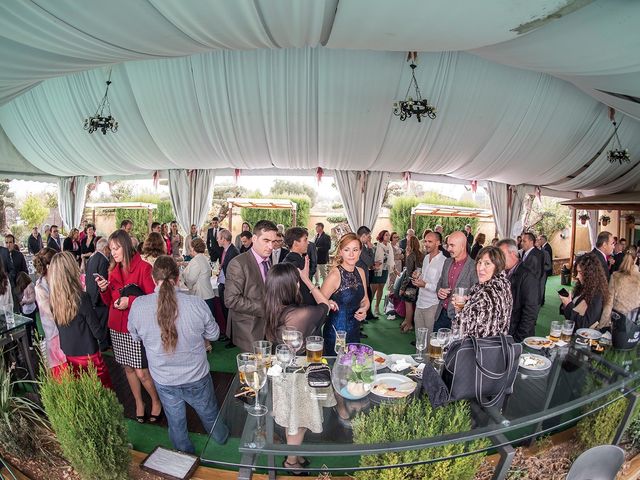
{"x": 246, "y": 473}
{"x": 24, "y": 342}
{"x": 507, "y": 453}
{"x": 633, "y": 397}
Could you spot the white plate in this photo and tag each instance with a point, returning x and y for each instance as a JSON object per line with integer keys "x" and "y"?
{"x": 393, "y": 380}
{"x": 528, "y": 342}
{"x": 589, "y": 333}
{"x": 380, "y": 365}
{"x": 531, "y": 361}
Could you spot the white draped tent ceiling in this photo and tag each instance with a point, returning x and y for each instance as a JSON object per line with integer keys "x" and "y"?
{"x": 522, "y": 88}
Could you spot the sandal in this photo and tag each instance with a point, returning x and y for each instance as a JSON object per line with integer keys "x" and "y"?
{"x": 141, "y": 418}
{"x": 305, "y": 461}
{"x": 294, "y": 469}
{"x": 156, "y": 418}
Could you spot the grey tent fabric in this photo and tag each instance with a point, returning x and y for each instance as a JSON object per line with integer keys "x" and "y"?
{"x": 190, "y": 192}
{"x": 362, "y": 194}
{"x": 72, "y": 196}
{"x": 507, "y": 204}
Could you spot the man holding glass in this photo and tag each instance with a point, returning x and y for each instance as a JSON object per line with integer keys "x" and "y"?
{"x": 427, "y": 303}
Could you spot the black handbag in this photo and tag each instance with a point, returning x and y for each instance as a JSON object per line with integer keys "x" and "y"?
{"x": 482, "y": 368}
{"x": 625, "y": 329}
{"x": 131, "y": 290}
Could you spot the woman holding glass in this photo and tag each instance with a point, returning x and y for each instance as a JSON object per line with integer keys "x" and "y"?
{"x": 590, "y": 294}
{"x": 283, "y": 304}
{"x": 345, "y": 285}
{"x": 397, "y": 260}
{"x": 408, "y": 292}
{"x": 487, "y": 311}
{"x": 177, "y": 241}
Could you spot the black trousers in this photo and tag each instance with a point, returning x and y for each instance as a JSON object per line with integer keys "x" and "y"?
{"x": 443, "y": 321}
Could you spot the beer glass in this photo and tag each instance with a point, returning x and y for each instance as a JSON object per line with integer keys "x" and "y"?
{"x": 435, "y": 347}
{"x": 459, "y": 298}
{"x": 567, "y": 330}
{"x": 253, "y": 373}
{"x": 341, "y": 342}
{"x": 421, "y": 342}
{"x": 262, "y": 351}
{"x": 556, "y": 331}
{"x": 314, "y": 349}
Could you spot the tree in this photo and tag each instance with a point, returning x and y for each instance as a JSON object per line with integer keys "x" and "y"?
{"x": 51, "y": 199}
{"x": 121, "y": 191}
{"x": 220, "y": 195}
{"x": 285, "y": 187}
{"x": 33, "y": 211}
{"x": 547, "y": 218}
{"x": 6, "y": 200}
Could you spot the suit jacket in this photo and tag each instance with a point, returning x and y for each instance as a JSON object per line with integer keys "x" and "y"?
{"x": 244, "y": 296}
{"x": 19, "y": 265}
{"x": 312, "y": 252}
{"x": 97, "y": 263}
{"x": 214, "y": 249}
{"x": 34, "y": 245}
{"x": 618, "y": 257}
{"x": 525, "y": 293}
{"x": 535, "y": 261}
{"x": 8, "y": 265}
{"x": 298, "y": 260}
{"x": 323, "y": 245}
{"x": 51, "y": 243}
{"x": 466, "y": 279}
{"x": 603, "y": 261}
{"x": 546, "y": 247}
{"x": 444, "y": 251}
{"x": 232, "y": 252}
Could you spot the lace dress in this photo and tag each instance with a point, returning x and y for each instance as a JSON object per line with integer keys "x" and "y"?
{"x": 348, "y": 297}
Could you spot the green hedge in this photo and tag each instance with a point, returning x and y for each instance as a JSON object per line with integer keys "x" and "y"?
{"x": 252, "y": 215}
{"x": 417, "y": 419}
{"x": 163, "y": 214}
{"x": 401, "y": 214}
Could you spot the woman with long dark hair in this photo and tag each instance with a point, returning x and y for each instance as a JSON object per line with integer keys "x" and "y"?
{"x": 72, "y": 244}
{"x": 79, "y": 328}
{"x": 283, "y": 305}
{"x": 164, "y": 231}
{"x": 127, "y": 269}
{"x": 6, "y": 297}
{"x": 590, "y": 294}
{"x": 345, "y": 285}
{"x": 176, "y": 240}
{"x": 408, "y": 292}
{"x": 153, "y": 246}
{"x": 173, "y": 326}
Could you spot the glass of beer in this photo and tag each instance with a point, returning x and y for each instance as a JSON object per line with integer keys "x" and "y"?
{"x": 556, "y": 331}
{"x": 435, "y": 348}
{"x": 459, "y": 298}
{"x": 567, "y": 330}
{"x": 422, "y": 336}
{"x": 341, "y": 341}
{"x": 314, "y": 349}
{"x": 253, "y": 373}
{"x": 262, "y": 351}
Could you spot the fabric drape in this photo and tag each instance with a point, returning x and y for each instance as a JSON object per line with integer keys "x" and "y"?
{"x": 190, "y": 192}
{"x": 592, "y": 226}
{"x": 71, "y": 199}
{"x": 507, "y": 204}
{"x": 362, "y": 194}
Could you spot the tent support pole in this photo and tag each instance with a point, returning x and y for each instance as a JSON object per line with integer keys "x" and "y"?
{"x": 620, "y": 224}
{"x": 230, "y": 217}
{"x": 573, "y": 237}
{"x": 149, "y": 219}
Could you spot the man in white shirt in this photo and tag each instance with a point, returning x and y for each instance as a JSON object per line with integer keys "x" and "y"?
{"x": 427, "y": 303}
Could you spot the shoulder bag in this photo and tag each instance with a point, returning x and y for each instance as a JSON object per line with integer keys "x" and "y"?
{"x": 625, "y": 329}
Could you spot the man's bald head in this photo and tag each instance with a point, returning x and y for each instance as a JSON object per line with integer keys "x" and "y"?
{"x": 457, "y": 245}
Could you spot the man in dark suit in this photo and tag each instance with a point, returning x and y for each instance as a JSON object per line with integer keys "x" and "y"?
{"x": 323, "y": 246}
{"x": 367, "y": 263}
{"x": 54, "y": 241}
{"x": 34, "y": 244}
{"x": 16, "y": 258}
{"x": 604, "y": 249}
{"x": 459, "y": 271}
{"x": 524, "y": 290}
{"x": 297, "y": 239}
{"x": 98, "y": 263}
{"x": 469, "y": 235}
{"x": 229, "y": 252}
{"x": 546, "y": 249}
{"x": 212, "y": 240}
{"x": 244, "y": 288}
{"x": 403, "y": 243}
{"x": 312, "y": 253}
{"x": 618, "y": 254}
{"x": 533, "y": 258}
{"x": 279, "y": 253}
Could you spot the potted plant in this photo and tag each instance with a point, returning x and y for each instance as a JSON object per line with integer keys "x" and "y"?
{"x": 605, "y": 219}
{"x": 631, "y": 219}
{"x": 584, "y": 217}
{"x": 353, "y": 371}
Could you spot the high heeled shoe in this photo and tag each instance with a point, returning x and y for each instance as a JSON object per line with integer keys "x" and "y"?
{"x": 156, "y": 418}
{"x": 294, "y": 469}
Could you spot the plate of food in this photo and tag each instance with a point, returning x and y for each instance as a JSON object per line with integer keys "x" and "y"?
{"x": 392, "y": 385}
{"x": 380, "y": 359}
{"x": 589, "y": 333}
{"x": 538, "y": 343}
{"x": 531, "y": 361}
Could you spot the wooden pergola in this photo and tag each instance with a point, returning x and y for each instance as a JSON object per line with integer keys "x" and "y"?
{"x": 126, "y": 205}
{"x": 619, "y": 201}
{"x": 266, "y": 203}
{"x": 427, "y": 209}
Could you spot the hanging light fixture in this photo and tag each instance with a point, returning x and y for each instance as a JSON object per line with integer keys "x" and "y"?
{"x": 99, "y": 121}
{"x": 413, "y": 105}
{"x": 618, "y": 154}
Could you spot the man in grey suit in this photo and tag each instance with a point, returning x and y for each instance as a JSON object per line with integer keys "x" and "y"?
{"x": 459, "y": 271}
{"x": 98, "y": 263}
{"x": 244, "y": 287}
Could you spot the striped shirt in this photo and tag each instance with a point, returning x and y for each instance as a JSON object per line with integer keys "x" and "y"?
{"x": 188, "y": 362}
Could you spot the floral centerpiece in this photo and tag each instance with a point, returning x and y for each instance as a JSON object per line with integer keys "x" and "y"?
{"x": 353, "y": 371}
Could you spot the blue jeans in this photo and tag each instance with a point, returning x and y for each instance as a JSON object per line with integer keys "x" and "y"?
{"x": 200, "y": 396}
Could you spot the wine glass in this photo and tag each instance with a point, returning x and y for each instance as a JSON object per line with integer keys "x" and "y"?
{"x": 444, "y": 337}
{"x": 292, "y": 338}
{"x": 253, "y": 373}
{"x": 341, "y": 342}
{"x": 421, "y": 342}
{"x": 262, "y": 350}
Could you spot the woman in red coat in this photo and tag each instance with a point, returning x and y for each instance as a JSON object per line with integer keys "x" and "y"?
{"x": 128, "y": 269}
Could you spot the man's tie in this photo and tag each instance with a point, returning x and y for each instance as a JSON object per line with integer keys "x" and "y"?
{"x": 266, "y": 264}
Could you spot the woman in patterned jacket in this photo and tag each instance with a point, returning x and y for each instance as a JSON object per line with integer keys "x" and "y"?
{"x": 487, "y": 311}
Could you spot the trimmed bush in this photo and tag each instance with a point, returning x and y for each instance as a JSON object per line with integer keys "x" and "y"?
{"x": 416, "y": 419}
{"x": 163, "y": 214}
{"x": 254, "y": 215}
{"x": 401, "y": 215}
{"x": 89, "y": 424}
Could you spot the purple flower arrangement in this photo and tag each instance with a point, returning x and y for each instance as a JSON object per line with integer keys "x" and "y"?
{"x": 360, "y": 358}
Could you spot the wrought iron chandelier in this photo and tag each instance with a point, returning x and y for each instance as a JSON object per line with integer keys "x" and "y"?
{"x": 99, "y": 121}
{"x": 618, "y": 154}
{"x": 417, "y": 105}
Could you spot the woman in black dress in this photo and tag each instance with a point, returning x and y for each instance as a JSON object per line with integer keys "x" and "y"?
{"x": 72, "y": 244}
{"x": 88, "y": 245}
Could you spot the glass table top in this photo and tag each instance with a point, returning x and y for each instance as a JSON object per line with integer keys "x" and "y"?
{"x": 19, "y": 321}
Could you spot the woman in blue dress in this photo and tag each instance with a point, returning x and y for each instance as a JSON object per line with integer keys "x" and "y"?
{"x": 345, "y": 285}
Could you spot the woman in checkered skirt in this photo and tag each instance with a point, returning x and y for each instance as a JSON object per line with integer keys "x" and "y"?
{"x": 127, "y": 267}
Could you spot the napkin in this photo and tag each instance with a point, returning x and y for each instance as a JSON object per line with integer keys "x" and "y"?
{"x": 401, "y": 364}
{"x": 607, "y": 335}
{"x": 434, "y": 387}
{"x": 274, "y": 371}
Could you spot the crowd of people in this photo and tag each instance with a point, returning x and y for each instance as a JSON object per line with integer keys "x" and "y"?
{"x": 152, "y": 302}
